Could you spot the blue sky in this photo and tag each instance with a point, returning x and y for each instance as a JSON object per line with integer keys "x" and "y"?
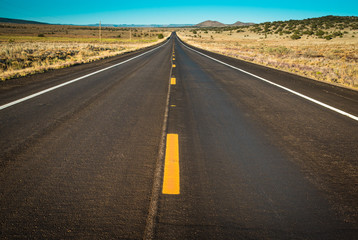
{"x": 166, "y": 12}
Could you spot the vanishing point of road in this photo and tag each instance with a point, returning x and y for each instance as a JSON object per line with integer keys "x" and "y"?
{"x": 174, "y": 142}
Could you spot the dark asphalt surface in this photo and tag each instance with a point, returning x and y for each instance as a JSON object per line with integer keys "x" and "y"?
{"x": 79, "y": 162}
{"x": 256, "y": 162}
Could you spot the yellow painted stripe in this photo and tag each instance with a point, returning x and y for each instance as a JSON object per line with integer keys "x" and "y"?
{"x": 171, "y": 181}
{"x": 173, "y": 81}
{"x": 173, "y": 59}
{"x": 174, "y": 66}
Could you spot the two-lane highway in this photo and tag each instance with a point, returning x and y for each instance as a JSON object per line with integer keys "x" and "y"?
{"x": 176, "y": 145}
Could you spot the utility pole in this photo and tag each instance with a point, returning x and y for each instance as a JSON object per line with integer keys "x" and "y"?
{"x": 100, "y": 33}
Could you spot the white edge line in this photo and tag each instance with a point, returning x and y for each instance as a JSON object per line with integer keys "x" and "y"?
{"x": 277, "y": 85}
{"x": 72, "y": 81}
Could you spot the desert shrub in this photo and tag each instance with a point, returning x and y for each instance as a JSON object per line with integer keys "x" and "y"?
{"x": 295, "y": 36}
{"x": 160, "y": 36}
{"x": 278, "y": 51}
{"x": 354, "y": 26}
{"x": 338, "y": 34}
{"x": 41, "y": 35}
{"x": 320, "y": 33}
{"x": 308, "y": 32}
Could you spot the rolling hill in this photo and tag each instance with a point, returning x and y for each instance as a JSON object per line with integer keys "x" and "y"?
{"x": 238, "y": 23}
{"x": 210, "y": 23}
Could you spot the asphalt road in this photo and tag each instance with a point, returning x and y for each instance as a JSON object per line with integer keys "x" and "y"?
{"x": 86, "y": 160}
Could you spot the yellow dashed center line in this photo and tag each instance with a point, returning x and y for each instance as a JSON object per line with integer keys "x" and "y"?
{"x": 171, "y": 181}
{"x": 173, "y": 81}
{"x": 174, "y": 66}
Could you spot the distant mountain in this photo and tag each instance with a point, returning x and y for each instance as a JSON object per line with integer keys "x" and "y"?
{"x": 19, "y": 21}
{"x": 142, "y": 25}
{"x": 180, "y": 25}
{"x": 10, "y": 20}
{"x": 210, "y": 23}
{"x": 238, "y": 23}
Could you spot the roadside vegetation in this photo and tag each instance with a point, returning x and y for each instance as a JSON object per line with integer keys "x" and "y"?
{"x": 324, "y": 49}
{"x": 27, "y": 49}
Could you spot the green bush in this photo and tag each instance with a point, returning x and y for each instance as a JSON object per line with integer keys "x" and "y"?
{"x": 160, "y": 36}
{"x": 320, "y": 33}
{"x": 295, "y": 36}
{"x": 308, "y": 32}
{"x": 338, "y": 34}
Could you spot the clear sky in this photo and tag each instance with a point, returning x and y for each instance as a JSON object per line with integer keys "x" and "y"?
{"x": 166, "y": 12}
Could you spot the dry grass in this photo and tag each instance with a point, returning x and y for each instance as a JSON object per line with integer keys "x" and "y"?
{"x": 334, "y": 61}
{"x": 77, "y": 32}
{"x": 23, "y": 52}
